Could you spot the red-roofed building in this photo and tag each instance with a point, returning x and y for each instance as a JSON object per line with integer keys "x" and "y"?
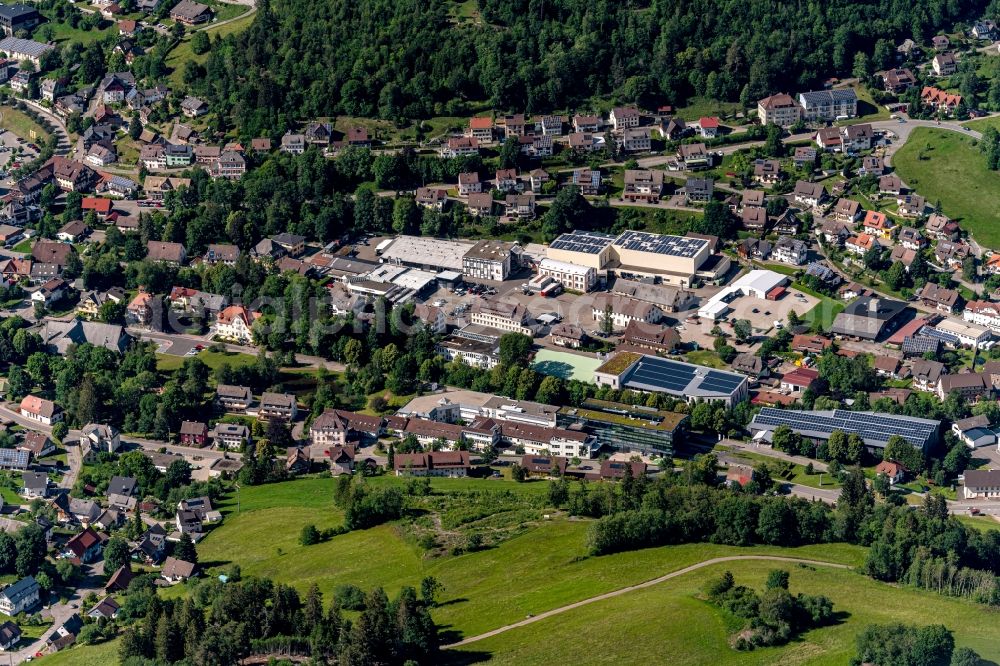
{"x": 892, "y": 469}
{"x": 709, "y": 127}
{"x": 236, "y": 323}
{"x": 939, "y": 100}
{"x": 799, "y": 379}
{"x": 100, "y": 206}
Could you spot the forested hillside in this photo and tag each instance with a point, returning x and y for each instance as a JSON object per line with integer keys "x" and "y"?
{"x": 410, "y": 58}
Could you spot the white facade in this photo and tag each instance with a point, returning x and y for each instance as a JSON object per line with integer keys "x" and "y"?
{"x": 571, "y": 276}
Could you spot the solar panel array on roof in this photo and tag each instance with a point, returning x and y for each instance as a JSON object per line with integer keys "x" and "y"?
{"x": 938, "y": 334}
{"x": 652, "y": 373}
{"x": 837, "y": 95}
{"x": 919, "y": 344}
{"x": 582, "y": 241}
{"x": 874, "y": 428}
{"x": 674, "y": 246}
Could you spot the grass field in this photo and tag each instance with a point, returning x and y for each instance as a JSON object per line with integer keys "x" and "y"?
{"x": 65, "y": 33}
{"x": 21, "y": 124}
{"x": 669, "y": 623}
{"x": 168, "y": 362}
{"x": 944, "y": 166}
{"x": 97, "y": 655}
{"x": 705, "y": 357}
{"x": 545, "y": 567}
{"x": 182, "y": 53}
{"x": 698, "y": 107}
{"x": 825, "y": 311}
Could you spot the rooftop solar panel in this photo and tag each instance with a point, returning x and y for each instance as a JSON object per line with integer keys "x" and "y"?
{"x": 874, "y": 428}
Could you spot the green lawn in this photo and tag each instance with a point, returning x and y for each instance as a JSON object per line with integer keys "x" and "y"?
{"x": 97, "y": 655}
{"x": 825, "y": 311}
{"x": 798, "y": 472}
{"x": 705, "y": 357}
{"x": 182, "y": 53}
{"x": 63, "y": 33}
{"x": 944, "y": 166}
{"x": 169, "y": 362}
{"x": 979, "y": 522}
{"x": 545, "y": 567}
{"x": 698, "y": 107}
{"x": 669, "y": 623}
{"x": 21, "y": 124}
{"x": 982, "y": 123}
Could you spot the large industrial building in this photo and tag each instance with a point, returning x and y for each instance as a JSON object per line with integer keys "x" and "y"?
{"x": 674, "y": 259}
{"x": 641, "y": 372}
{"x": 873, "y": 427}
{"x": 626, "y": 428}
{"x": 426, "y": 253}
{"x": 488, "y": 260}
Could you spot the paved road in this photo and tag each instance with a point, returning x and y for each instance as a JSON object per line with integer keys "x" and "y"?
{"x": 631, "y": 588}
{"x": 64, "y": 143}
{"x": 92, "y": 583}
{"x": 174, "y": 343}
{"x": 766, "y": 450}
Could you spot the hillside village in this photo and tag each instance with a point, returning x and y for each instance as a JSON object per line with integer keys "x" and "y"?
{"x": 630, "y": 302}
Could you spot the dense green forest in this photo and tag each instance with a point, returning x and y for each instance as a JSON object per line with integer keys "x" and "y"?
{"x": 399, "y": 59}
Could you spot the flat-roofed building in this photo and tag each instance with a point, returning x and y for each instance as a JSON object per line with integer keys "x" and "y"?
{"x": 502, "y": 315}
{"x": 642, "y": 372}
{"x": 488, "y": 260}
{"x": 571, "y": 276}
{"x": 583, "y": 248}
{"x": 626, "y": 428}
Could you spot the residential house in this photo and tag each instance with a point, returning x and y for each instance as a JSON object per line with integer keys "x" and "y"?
{"x": 926, "y": 374}
{"x": 894, "y": 471}
{"x": 971, "y": 386}
{"x": 847, "y": 211}
{"x": 623, "y": 117}
{"x": 698, "y": 190}
{"x": 98, "y": 437}
{"x": 944, "y": 64}
{"x": 636, "y": 140}
{"x": 804, "y": 157}
{"x": 218, "y": 253}
{"x": 754, "y": 218}
{"x": 808, "y": 194}
{"x": 431, "y": 197}
{"x": 451, "y": 464}
{"x": 520, "y": 206}
{"x": 799, "y": 380}
{"x": 588, "y": 181}
{"x": 872, "y": 165}
{"x": 860, "y": 244}
{"x": 142, "y": 310}
{"x": 231, "y": 398}
{"x": 780, "y": 109}
{"x": 460, "y": 146}
{"x": 890, "y": 186}
{"x": 469, "y": 183}
{"x": 878, "y": 225}
{"x": 983, "y": 313}
{"x": 898, "y": 80}
{"x": 911, "y": 238}
{"x": 586, "y": 123}
{"x": 694, "y": 156}
{"x": 190, "y": 12}
{"x": 767, "y": 172}
{"x": 236, "y": 323}
{"x": 193, "y": 433}
{"x": 481, "y": 129}
{"x": 790, "y": 251}
{"x": 940, "y": 100}
{"x": 480, "y": 204}
{"x": 34, "y": 485}
{"x": 41, "y": 410}
{"x": 37, "y": 444}
{"x": 709, "y": 127}
{"x": 230, "y": 435}
{"x": 643, "y": 185}
{"x": 830, "y": 140}
{"x": 941, "y": 228}
{"x": 166, "y": 252}
{"x": 85, "y": 546}
{"x": 176, "y": 571}
{"x": 939, "y": 298}
{"x": 105, "y": 609}
{"x": 980, "y": 483}
{"x": 911, "y": 205}
{"x": 278, "y": 405}
{"x": 19, "y": 597}
{"x": 858, "y": 138}
{"x": 903, "y": 255}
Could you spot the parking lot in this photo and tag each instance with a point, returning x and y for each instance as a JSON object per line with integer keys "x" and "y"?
{"x": 762, "y": 315}
{"x": 13, "y": 146}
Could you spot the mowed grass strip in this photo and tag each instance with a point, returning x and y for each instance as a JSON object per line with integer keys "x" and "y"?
{"x": 669, "y": 623}
{"x": 544, "y": 568}
{"x": 954, "y": 172}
